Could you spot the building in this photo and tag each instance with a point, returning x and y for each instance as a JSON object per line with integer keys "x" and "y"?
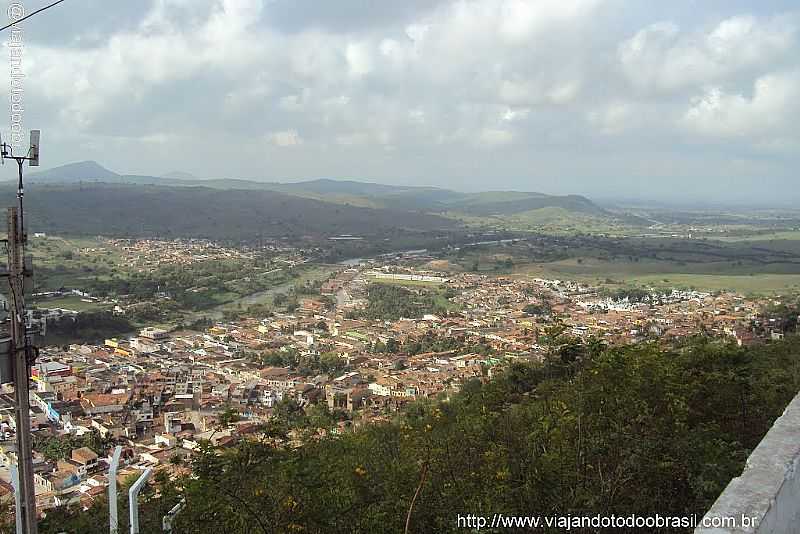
{"x": 85, "y": 458}
{"x": 46, "y": 369}
{"x": 154, "y": 334}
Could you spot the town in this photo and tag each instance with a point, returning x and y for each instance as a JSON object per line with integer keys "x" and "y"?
{"x": 362, "y": 343}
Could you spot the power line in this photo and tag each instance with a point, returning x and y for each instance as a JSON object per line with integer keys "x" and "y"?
{"x": 29, "y": 15}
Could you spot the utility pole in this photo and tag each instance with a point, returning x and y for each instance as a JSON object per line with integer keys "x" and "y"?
{"x": 113, "y": 517}
{"x": 133, "y": 499}
{"x": 22, "y": 353}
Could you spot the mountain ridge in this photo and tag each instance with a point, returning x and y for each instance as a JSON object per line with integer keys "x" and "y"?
{"x": 350, "y": 192}
{"x": 338, "y": 200}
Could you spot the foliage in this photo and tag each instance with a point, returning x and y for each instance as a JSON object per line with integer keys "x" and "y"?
{"x": 60, "y": 447}
{"x": 306, "y": 364}
{"x": 87, "y": 327}
{"x": 391, "y": 302}
{"x": 203, "y": 212}
{"x": 632, "y": 294}
{"x": 431, "y": 342}
{"x": 537, "y": 309}
{"x": 228, "y": 417}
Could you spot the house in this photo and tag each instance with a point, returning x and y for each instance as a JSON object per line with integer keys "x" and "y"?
{"x": 56, "y": 481}
{"x": 86, "y": 459}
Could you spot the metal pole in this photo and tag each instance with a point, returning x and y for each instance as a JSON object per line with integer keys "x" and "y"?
{"x": 21, "y": 353}
{"x": 113, "y": 518}
{"x": 20, "y": 194}
{"x": 17, "y": 497}
{"x": 166, "y": 524}
{"x": 133, "y": 503}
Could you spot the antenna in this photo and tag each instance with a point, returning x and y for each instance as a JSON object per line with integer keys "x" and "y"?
{"x": 34, "y": 150}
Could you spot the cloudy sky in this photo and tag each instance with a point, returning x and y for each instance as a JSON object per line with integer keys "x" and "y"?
{"x": 650, "y": 99}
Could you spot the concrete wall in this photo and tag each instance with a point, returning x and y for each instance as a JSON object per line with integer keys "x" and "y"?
{"x": 765, "y": 499}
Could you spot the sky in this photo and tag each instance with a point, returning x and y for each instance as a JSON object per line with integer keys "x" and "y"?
{"x": 694, "y": 100}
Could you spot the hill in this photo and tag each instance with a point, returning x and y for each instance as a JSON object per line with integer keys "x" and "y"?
{"x": 191, "y": 211}
{"x": 507, "y": 203}
{"x": 179, "y": 175}
{"x": 511, "y": 209}
{"x": 87, "y": 171}
{"x": 436, "y": 199}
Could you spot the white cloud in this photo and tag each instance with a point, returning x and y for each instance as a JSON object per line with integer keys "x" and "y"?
{"x": 495, "y": 137}
{"x": 771, "y": 111}
{"x": 359, "y": 58}
{"x": 614, "y": 118}
{"x": 569, "y": 77}
{"x": 285, "y": 138}
{"x": 520, "y": 18}
{"x": 564, "y": 92}
{"x": 663, "y": 57}
{"x": 518, "y": 114}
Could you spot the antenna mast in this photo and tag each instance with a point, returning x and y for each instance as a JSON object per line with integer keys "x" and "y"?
{"x": 21, "y": 352}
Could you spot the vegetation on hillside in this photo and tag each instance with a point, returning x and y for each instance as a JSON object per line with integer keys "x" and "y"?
{"x": 221, "y": 214}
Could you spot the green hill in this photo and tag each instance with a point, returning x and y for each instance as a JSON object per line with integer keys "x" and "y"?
{"x": 147, "y": 210}
{"x": 502, "y": 207}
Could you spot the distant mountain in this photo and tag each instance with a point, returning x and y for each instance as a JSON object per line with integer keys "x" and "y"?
{"x": 507, "y": 203}
{"x": 434, "y": 199}
{"x": 89, "y": 171}
{"x": 413, "y": 198}
{"x": 179, "y": 175}
{"x": 348, "y": 187}
{"x": 436, "y": 202}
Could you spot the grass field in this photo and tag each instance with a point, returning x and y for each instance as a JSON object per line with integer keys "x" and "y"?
{"x": 69, "y": 262}
{"x": 71, "y": 303}
{"x": 308, "y": 273}
{"x": 786, "y": 235}
{"x": 549, "y": 220}
{"x": 622, "y": 267}
{"x": 746, "y": 284}
{"x": 404, "y": 283}
{"x": 663, "y": 274}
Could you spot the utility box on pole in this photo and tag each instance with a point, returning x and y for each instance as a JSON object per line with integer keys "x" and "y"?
{"x": 27, "y": 275}
{"x": 6, "y": 361}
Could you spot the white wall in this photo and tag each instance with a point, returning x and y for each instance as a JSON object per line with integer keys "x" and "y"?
{"x": 768, "y": 490}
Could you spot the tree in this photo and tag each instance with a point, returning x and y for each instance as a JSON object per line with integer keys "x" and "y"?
{"x": 228, "y": 417}
{"x": 537, "y": 309}
{"x": 330, "y": 362}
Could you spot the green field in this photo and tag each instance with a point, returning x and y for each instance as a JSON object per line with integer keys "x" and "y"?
{"x": 664, "y": 274}
{"x": 786, "y": 235}
{"x": 550, "y": 220}
{"x": 71, "y": 303}
{"x": 308, "y": 273}
{"x": 404, "y": 283}
{"x": 752, "y": 266}
{"x": 70, "y": 262}
{"x": 753, "y": 284}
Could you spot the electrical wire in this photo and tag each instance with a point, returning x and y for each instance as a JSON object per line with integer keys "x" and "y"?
{"x": 29, "y": 15}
